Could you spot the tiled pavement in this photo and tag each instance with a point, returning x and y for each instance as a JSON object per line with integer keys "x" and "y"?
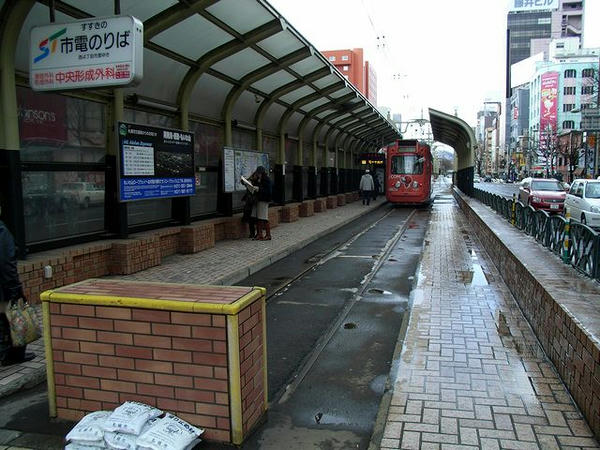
{"x": 472, "y": 374}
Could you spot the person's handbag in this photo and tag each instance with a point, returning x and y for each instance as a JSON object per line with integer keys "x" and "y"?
{"x": 23, "y": 326}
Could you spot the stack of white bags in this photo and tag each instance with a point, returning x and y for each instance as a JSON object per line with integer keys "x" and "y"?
{"x": 133, "y": 426}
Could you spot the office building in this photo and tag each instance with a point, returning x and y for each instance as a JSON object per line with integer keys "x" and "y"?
{"x": 350, "y": 62}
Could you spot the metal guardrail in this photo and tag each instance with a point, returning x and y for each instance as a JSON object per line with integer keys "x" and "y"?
{"x": 576, "y": 243}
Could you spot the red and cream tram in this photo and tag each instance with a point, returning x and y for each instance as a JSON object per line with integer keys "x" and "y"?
{"x": 408, "y": 172}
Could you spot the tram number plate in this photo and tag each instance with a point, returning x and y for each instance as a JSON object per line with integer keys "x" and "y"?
{"x": 553, "y": 206}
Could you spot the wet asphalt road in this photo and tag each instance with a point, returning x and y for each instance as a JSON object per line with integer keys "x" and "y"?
{"x": 332, "y": 334}
{"x": 334, "y": 315}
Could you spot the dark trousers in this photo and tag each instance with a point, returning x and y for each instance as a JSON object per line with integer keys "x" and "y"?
{"x": 366, "y": 197}
{"x": 7, "y": 351}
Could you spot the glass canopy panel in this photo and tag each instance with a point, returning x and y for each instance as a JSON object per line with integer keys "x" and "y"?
{"x": 347, "y": 90}
{"x": 141, "y": 10}
{"x": 192, "y": 37}
{"x": 39, "y": 15}
{"x": 327, "y": 81}
{"x": 240, "y": 64}
{"x": 325, "y": 113}
{"x": 274, "y": 81}
{"x": 208, "y": 96}
{"x": 272, "y": 117}
{"x": 293, "y": 122}
{"x": 312, "y": 105}
{"x": 241, "y": 16}
{"x": 297, "y": 94}
{"x": 162, "y": 77}
{"x": 281, "y": 44}
{"x": 338, "y": 118}
{"x": 245, "y": 107}
{"x": 307, "y": 65}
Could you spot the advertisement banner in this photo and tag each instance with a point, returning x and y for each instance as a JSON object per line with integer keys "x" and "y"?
{"x": 155, "y": 162}
{"x": 548, "y": 105}
{"x": 532, "y": 5}
{"x": 89, "y": 53}
{"x": 42, "y": 117}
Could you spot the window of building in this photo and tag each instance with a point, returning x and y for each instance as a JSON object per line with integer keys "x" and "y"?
{"x": 332, "y": 58}
{"x": 587, "y": 89}
{"x": 568, "y": 107}
{"x": 587, "y": 73}
{"x": 344, "y": 57}
{"x": 570, "y": 73}
{"x": 568, "y": 125}
{"x": 569, "y": 90}
{"x": 346, "y": 77}
{"x": 345, "y": 68}
{"x": 587, "y": 106}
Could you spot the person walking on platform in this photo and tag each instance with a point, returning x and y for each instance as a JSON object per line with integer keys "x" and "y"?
{"x": 366, "y": 187}
{"x": 261, "y": 210}
{"x": 10, "y": 289}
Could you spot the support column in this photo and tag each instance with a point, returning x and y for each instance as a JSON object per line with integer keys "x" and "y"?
{"x": 14, "y": 14}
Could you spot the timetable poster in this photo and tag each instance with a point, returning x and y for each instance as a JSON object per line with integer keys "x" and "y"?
{"x": 238, "y": 163}
{"x": 154, "y": 162}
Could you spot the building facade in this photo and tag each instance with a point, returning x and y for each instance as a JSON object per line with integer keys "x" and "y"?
{"x": 361, "y": 73}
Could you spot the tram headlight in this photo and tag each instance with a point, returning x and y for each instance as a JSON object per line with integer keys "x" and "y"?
{"x": 397, "y": 184}
{"x": 415, "y": 185}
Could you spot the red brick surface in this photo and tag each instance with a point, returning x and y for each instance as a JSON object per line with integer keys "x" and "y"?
{"x": 320, "y": 205}
{"x": 332, "y": 202}
{"x": 251, "y": 365}
{"x": 101, "y": 369}
{"x": 307, "y": 208}
{"x": 290, "y": 213}
{"x": 341, "y": 199}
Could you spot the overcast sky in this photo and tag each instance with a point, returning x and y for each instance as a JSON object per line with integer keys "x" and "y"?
{"x": 448, "y": 55}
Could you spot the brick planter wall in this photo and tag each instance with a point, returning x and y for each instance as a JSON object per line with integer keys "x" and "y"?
{"x": 573, "y": 349}
{"x": 105, "y": 351}
{"x": 289, "y": 213}
{"x": 332, "y": 202}
{"x": 319, "y": 205}
{"x": 274, "y": 215}
{"x": 132, "y": 255}
{"x": 350, "y": 197}
{"x": 195, "y": 238}
{"x": 169, "y": 240}
{"x": 307, "y": 208}
{"x": 341, "y": 199}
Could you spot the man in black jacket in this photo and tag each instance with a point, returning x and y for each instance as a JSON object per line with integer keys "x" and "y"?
{"x": 10, "y": 289}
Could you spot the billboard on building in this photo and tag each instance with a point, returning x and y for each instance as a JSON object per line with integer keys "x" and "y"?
{"x": 89, "y": 53}
{"x": 532, "y": 5}
{"x": 523, "y": 71}
{"x": 154, "y": 162}
{"x": 548, "y": 104}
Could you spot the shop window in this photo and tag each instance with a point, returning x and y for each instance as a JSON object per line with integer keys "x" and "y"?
{"x": 58, "y": 128}
{"x": 61, "y": 204}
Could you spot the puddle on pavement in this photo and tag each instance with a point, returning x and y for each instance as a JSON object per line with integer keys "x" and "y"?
{"x": 474, "y": 277}
{"x": 379, "y": 291}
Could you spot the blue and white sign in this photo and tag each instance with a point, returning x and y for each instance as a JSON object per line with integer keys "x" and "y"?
{"x": 155, "y": 163}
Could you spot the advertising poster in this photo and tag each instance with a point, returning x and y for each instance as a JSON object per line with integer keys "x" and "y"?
{"x": 238, "y": 163}
{"x": 155, "y": 162}
{"x": 548, "y": 106}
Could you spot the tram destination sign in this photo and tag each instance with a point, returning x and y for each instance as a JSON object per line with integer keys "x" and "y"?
{"x": 154, "y": 162}
{"x": 89, "y": 53}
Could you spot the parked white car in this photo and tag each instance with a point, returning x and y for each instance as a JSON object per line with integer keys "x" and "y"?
{"x": 583, "y": 202}
{"x": 81, "y": 193}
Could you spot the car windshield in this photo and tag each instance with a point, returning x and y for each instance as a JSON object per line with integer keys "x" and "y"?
{"x": 549, "y": 185}
{"x": 407, "y": 165}
{"x": 592, "y": 190}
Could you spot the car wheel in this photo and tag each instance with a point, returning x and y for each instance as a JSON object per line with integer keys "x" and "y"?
{"x": 583, "y": 219}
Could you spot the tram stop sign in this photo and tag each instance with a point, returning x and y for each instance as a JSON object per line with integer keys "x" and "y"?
{"x": 89, "y": 53}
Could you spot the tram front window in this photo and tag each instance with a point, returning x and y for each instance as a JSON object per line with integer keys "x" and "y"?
{"x": 407, "y": 165}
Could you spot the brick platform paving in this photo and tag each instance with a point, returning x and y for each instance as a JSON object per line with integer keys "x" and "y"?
{"x": 472, "y": 374}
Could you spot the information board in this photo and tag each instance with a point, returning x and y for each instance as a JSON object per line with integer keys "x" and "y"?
{"x": 154, "y": 162}
{"x": 238, "y": 163}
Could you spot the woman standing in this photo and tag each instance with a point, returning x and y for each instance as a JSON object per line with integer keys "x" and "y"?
{"x": 263, "y": 196}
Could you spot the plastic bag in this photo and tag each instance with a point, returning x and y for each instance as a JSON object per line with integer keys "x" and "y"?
{"x": 169, "y": 433}
{"x": 74, "y": 446}
{"x": 88, "y": 430}
{"x": 124, "y": 441}
{"x": 23, "y": 326}
{"x": 130, "y": 418}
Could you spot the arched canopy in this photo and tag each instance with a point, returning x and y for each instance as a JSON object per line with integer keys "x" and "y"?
{"x": 456, "y": 133}
{"x": 228, "y": 60}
